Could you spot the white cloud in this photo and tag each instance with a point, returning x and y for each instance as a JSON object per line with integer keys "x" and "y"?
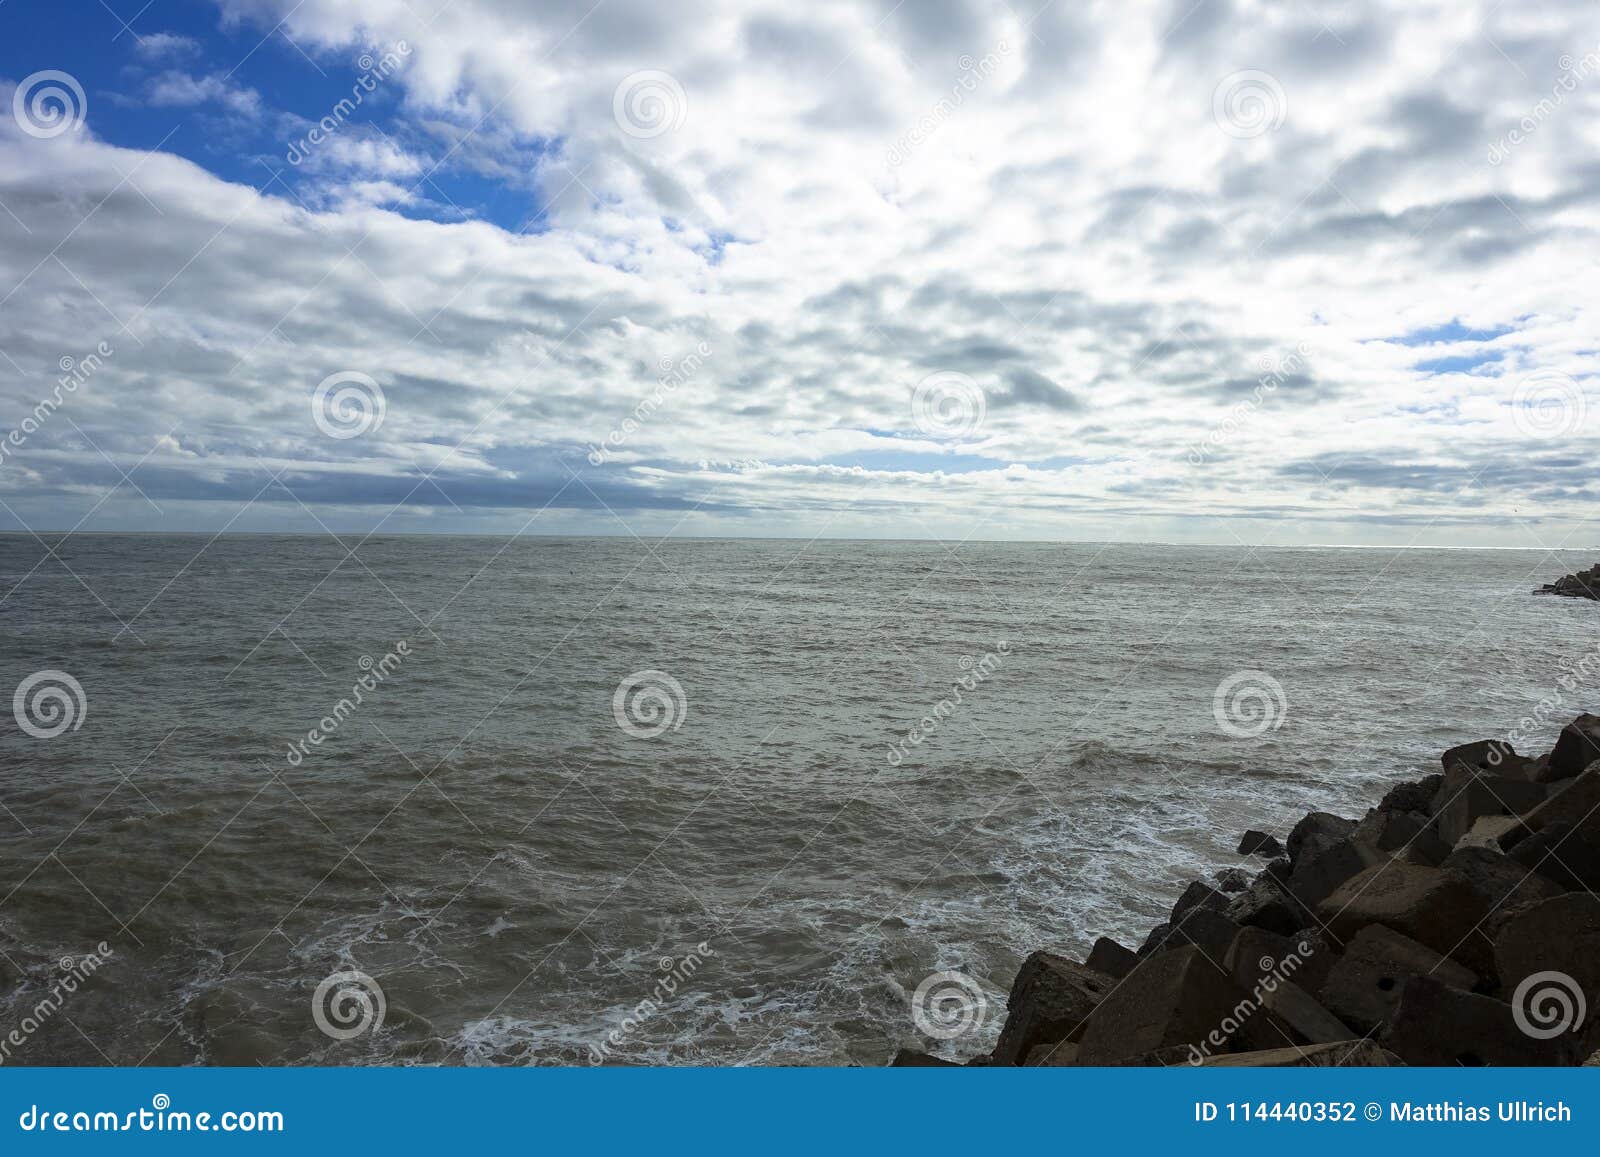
{"x": 166, "y": 45}
{"x": 176, "y": 89}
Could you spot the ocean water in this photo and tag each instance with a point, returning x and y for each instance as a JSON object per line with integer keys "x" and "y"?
{"x": 757, "y": 857}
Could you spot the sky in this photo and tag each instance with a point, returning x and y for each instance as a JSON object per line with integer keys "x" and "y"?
{"x": 1284, "y": 273}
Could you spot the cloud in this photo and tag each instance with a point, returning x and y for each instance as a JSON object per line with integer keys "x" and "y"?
{"x": 176, "y": 89}
{"x": 166, "y": 46}
{"x": 1181, "y": 325}
{"x": 1028, "y": 388}
{"x": 364, "y": 151}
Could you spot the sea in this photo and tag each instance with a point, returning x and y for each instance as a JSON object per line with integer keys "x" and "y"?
{"x": 485, "y": 800}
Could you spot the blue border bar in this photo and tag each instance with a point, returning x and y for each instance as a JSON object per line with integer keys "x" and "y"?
{"x": 759, "y": 1111}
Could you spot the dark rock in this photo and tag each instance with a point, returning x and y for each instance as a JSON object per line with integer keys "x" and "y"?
{"x": 1364, "y": 985}
{"x": 1467, "y": 794}
{"x": 1585, "y": 584}
{"x": 1340, "y": 1055}
{"x": 1423, "y": 855}
{"x": 1049, "y": 1002}
{"x": 1316, "y": 832}
{"x": 1256, "y": 951}
{"x": 1232, "y": 880}
{"x": 1156, "y": 941}
{"x": 1401, "y": 831}
{"x": 1560, "y": 934}
{"x": 1494, "y": 756}
{"x": 1412, "y": 797}
{"x": 1440, "y": 910}
{"x": 1304, "y": 958}
{"x": 1266, "y": 967}
{"x": 1265, "y": 904}
{"x": 1576, "y": 804}
{"x": 912, "y": 1059}
{"x": 1577, "y": 748}
{"x": 1538, "y": 770}
{"x": 1170, "y": 1057}
{"x": 1435, "y": 1024}
{"x": 1208, "y": 930}
{"x": 1565, "y": 856}
{"x": 1318, "y": 952}
{"x": 1317, "y": 873}
{"x": 1174, "y": 998}
{"x": 1197, "y": 895}
{"x": 1059, "y": 1055}
{"x": 1111, "y": 959}
{"x": 1500, "y": 881}
{"x": 1254, "y": 843}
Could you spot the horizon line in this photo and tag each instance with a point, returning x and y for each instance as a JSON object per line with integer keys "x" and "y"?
{"x": 66, "y": 534}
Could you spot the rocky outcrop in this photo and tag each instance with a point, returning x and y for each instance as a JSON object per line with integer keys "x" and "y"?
{"x": 1254, "y": 843}
{"x": 1583, "y": 585}
{"x": 1438, "y": 1025}
{"x": 1455, "y": 924}
{"x": 1177, "y": 998}
{"x": 1577, "y": 748}
{"x": 1363, "y": 987}
{"x": 1110, "y": 958}
{"x": 1049, "y": 1003}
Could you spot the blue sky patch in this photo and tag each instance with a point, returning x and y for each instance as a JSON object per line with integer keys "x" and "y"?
{"x": 919, "y": 461}
{"x": 1450, "y": 331}
{"x": 242, "y": 99}
{"x": 1460, "y": 363}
